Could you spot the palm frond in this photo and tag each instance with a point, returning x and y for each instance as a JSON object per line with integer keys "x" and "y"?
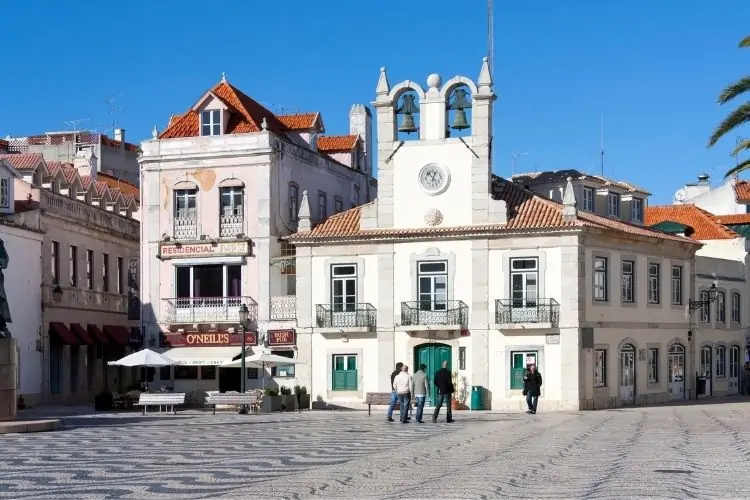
{"x": 733, "y": 90}
{"x": 739, "y": 116}
{"x": 745, "y": 42}
{"x": 743, "y": 165}
{"x": 743, "y": 145}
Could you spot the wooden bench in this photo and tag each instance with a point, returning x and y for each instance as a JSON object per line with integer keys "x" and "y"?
{"x": 251, "y": 399}
{"x": 166, "y": 399}
{"x": 378, "y": 398}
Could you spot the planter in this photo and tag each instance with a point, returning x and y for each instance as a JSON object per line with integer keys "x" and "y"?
{"x": 271, "y": 403}
{"x": 304, "y": 402}
{"x": 289, "y": 402}
{"x": 454, "y": 404}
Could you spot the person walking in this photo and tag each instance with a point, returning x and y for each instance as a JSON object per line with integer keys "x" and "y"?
{"x": 394, "y": 394}
{"x": 445, "y": 390}
{"x": 402, "y": 384}
{"x": 532, "y": 387}
{"x": 421, "y": 389}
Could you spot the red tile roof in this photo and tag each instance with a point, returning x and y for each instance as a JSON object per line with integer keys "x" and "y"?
{"x": 26, "y": 162}
{"x": 742, "y": 191}
{"x": 246, "y": 115}
{"x": 301, "y": 121}
{"x": 733, "y": 219}
{"x": 526, "y": 211}
{"x": 124, "y": 187}
{"x": 703, "y": 224}
{"x": 337, "y": 142}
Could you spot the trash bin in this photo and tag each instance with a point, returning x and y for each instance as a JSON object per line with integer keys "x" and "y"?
{"x": 477, "y": 397}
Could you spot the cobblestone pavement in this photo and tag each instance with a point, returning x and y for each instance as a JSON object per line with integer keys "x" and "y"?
{"x": 686, "y": 451}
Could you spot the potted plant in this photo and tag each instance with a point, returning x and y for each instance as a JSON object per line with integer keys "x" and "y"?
{"x": 271, "y": 400}
{"x": 463, "y": 394}
{"x": 303, "y": 398}
{"x": 288, "y": 402}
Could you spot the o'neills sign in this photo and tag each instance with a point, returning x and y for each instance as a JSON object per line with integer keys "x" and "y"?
{"x": 206, "y": 339}
{"x": 175, "y": 251}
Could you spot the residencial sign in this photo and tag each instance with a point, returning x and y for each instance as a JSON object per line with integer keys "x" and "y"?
{"x": 227, "y": 248}
{"x": 206, "y": 339}
{"x": 281, "y": 337}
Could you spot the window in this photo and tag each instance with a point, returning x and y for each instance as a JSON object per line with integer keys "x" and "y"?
{"x": 721, "y": 307}
{"x": 120, "y": 270}
{"x": 628, "y": 281}
{"x": 600, "y": 368}
{"x": 73, "y": 265}
{"x": 461, "y": 358}
{"x": 185, "y": 203}
{"x": 90, "y": 269}
{"x": 208, "y": 373}
{"x": 344, "y": 287}
{"x": 55, "y": 262}
{"x": 653, "y": 366}
{"x": 676, "y": 285}
{"x": 613, "y": 205}
{"x": 4, "y": 192}
{"x": 721, "y": 361}
{"x": 524, "y": 279}
{"x": 185, "y": 372}
{"x": 432, "y": 285}
{"x": 105, "y": 272}
{"x": 165, "y": 373}
{"x": 735, "y": 308}
{"x": 283, "y": 370}
{"x": 293, "y": 201}
{"x": 588, "y": 199}
{"x": 653, "y": 283}
{"x": 519, "y": 361}
{"x": 253, "y": 373}
{"x": 338, "y": 205}
{"x": 734, "y": 362}
{"x": 211, "y": 122}
{"x": 208, "y": 281}
{"x": 600, "y": 278}
{"x": 705, "y": 308}
{"x": 231, "y": 200}
{"x": 636, "y": 210}
{"x": 322, "y": 205}
{"x": 344, "y": 372}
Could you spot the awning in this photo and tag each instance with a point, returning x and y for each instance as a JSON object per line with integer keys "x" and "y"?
{"x": 96, "y": 333}
{"x": 62, "y": 332}
{"x": 82, "y": 334}
{"x": 120, "y": 334}
{"x": 203, "y": 356}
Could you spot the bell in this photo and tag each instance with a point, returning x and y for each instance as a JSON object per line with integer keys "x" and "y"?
{"x": 407, "y": 125}
{"x": 459, "y": 122}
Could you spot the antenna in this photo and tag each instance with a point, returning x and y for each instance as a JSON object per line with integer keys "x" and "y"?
{"x": 491, "y": 38}
{"x": 113, "y": 110}
{"x": 602, "y": 150}
{"x": 513, "y": 159}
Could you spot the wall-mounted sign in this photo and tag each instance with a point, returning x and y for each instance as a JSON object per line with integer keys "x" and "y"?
{"x": 134, "y": 300}
{"x": 206, "y": 339}
{"x": 281, "y": 337}
{"x": 552, "y": 338}
{"x": 226, "y": 248}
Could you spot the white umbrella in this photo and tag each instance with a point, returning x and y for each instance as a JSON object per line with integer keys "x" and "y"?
{"x": 261, "y": 360}
{"x": 146, "y": 357}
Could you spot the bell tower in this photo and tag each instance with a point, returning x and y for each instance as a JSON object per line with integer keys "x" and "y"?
{"x": 434, "y": 153}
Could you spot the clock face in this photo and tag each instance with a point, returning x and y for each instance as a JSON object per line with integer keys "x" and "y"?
{"x": 434, "y": 178}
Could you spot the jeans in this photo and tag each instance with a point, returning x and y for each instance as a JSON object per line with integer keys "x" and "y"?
{"x": 420, "y": 407}
{"x": 531, "y": 401}
{"x": 392, "y": 404}
{"x": 443, "y": 398}
{"x": 404, "y": 400}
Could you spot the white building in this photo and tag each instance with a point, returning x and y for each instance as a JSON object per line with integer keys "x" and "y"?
{"x": 221, "y": 185}
{"x": 732, "y": 196}
{"x": 452, "y": 263}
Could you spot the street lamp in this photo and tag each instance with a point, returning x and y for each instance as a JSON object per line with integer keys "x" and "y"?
{"x": 243, "y": 314}
{"x": 57, "y": 293}
{"x": 697, "y": 304}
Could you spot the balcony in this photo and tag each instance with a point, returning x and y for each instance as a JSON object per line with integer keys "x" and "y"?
{"x": 525, "y": 314}
{"x": 438, "y": 315}
{"x": 186, "y": 228}
{"x": 283, "y": 307}
{"x": 194, "y": 310}
{"x": 353, "y": 318}
{"x": 231, "y": 225}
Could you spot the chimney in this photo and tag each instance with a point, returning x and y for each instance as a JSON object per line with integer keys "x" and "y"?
{"x": 120, "y": 136}
{"x": 85, "y": 163}
{"x": 569, "y": 213}
{"x": 304, "y": 223}
{"x": 703, "y": 180}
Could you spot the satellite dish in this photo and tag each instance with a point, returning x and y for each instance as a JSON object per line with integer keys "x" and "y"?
{"x": 679, "y": 196}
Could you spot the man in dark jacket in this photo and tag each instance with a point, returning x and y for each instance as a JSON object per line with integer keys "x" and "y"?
{"x": 532, "y": 387}
{"x": 394, "y": 394}
{"x": 445, "y": 389}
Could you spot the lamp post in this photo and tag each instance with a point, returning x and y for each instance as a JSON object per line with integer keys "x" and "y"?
{"x": 699, "y": 304}
{"x": 243, "y": 313}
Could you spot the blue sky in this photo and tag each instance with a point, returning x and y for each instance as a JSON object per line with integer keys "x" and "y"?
{"x": 653, "y": 68}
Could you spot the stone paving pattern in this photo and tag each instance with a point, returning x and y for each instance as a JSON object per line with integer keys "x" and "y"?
{"x": 684, "y": 451}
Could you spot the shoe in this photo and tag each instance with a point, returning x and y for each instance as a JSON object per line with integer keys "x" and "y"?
{"x": 533, "y": 412}
{"x": 389, "y": 419}
{"x": 449, "y": 421}
{"x": 529, "y": 412}
{"x": 420, "y": 421}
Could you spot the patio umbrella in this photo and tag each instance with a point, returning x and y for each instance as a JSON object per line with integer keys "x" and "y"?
{"x": 262, "y": 360}
{"x": 146, "y": 357}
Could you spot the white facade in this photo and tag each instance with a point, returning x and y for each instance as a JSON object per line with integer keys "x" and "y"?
{"x": 723, "y": 199}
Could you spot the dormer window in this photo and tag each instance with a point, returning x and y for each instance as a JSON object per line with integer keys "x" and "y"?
{"x": 211, "y": 122}
{"x": 613, "y": 205}
{"x": 588, "y": 199}
{"x": 637, "y": 210}
{"x": 4, "y": 192}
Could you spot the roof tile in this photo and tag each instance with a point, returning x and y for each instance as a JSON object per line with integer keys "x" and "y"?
{"x": 704, "y": 225}
{"x": 300, "y": 121}
{"x": 26, "y": 162}
{"x": 337, "y": 142}
{"x": 742, "y": 191}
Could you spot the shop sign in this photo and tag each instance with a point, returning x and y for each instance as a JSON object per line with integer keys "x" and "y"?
{"x": 227, "y": 248}
{"x": 207, "y": 339}
{"x": 281, "y": 337}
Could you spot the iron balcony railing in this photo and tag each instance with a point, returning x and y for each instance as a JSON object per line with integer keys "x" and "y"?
{"x": 231, "y": 225}
{"x": 284, "y": 307}
{"x": 187, "y": 310}
{"x": 446, "y": 312}
{"x": 186, "y": 226}
{"x": 346, "y": 315}
{"x": 509, "y": 311}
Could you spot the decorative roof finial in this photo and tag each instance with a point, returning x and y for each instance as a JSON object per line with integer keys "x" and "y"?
{"x": 569, "y": 213}
{"x": 303, "y": 218}
{"x": 383, "y": 86}
{"x": 264, "y": 124}
{"x": 155, "y": 133}
{"x": 223, "y": 77}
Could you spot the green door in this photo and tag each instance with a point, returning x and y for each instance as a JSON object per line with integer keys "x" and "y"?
{"x": 433, "y": 356}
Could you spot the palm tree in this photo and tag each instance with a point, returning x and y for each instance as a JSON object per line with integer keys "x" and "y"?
{"x": 739, "y": 116}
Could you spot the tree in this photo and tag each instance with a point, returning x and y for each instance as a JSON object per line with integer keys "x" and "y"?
{"x": 739, "y": 116}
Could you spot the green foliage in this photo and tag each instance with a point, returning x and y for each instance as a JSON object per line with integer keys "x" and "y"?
{"x": 285, "y": 391}
{"x": 300, "y": 389}
{"x": 271, "y": 392}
